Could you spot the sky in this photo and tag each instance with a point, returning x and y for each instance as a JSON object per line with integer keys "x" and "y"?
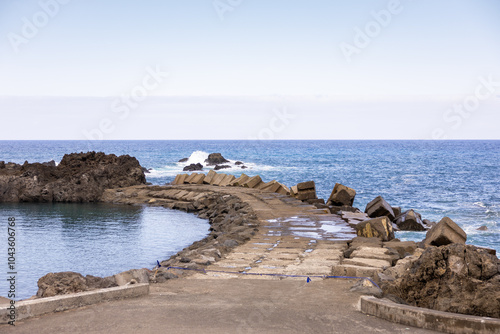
{"x": 249, "y": 69}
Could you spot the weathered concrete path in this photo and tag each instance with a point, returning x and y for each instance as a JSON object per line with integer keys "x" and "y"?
{"x": 223, "y": 306}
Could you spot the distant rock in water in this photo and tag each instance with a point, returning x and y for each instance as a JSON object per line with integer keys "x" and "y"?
{"x": 215, "y": 159}
{"x": 218, "y": 167}
{"x": 483, "y": 228}
{"x": 237, "y": 163}
{"x": 80, "y": 177}
{"x": 184, "y": 160}
{"x": 244, "y": 167}
{"x": 193, "y": 167}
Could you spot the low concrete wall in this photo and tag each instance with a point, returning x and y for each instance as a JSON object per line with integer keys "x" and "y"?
{"x": 36, "y": 307}
{"x": 429, "y": 319}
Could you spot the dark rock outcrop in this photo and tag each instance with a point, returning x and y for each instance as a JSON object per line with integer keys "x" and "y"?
{"x": 184, "y": 160}
{"x": 80, "y": 177}
{"x": 237, "y": 163}
{"x": 215, "y": 159}
{"x": 410, "y": 221}
{"x": 193, "y": 167}
{"x": 219, "y": 167}
{"x": 454, "y": 278}
{"x": 50, "y": 163}
{"x": 67, "y": 282}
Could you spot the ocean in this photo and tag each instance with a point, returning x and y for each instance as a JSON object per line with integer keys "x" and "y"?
{"x": 458, "y": 179}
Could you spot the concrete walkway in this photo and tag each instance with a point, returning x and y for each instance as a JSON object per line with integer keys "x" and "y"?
{"x": 223, "y": 306}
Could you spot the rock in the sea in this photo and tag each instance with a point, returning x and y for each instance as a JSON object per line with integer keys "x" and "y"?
{"x": 483, "y": 228}
{"x": 184, "y": 160}
{"x": 243, "y": 167}
{"x": 444, "y": 233}
{"x": 218, "y": 167}
{"x": 215, "y": 159}
{"x": 378, "y": 227}
{"x": 378, "y": 208}
{"x": 341, "y": 195}
{"x": 193, "y": 167}
{"x": 453, "y": 278}
{"x": 80, "y": 177}
{"x": 410, "y": 221}
{"x": 62, "y": 283}
{"x": 237, "y": 163}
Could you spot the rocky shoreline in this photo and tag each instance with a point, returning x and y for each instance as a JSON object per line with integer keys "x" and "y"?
{"x": 441, "y": 272}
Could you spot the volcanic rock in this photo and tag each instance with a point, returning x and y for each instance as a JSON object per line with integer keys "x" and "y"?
{"x": 218, "y": 167}
{"x": 67, "y": 282}
{"x": 453, "y": 278}
{"x": 80, "y": 177}
{"x": 215, "y": 159}
{"x": 193, "y": 167}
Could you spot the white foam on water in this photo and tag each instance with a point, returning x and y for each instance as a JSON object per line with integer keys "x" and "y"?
{"x": 174, "y": 168}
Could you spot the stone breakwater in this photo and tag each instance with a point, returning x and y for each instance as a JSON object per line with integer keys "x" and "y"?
{"x": 288, "y": 236}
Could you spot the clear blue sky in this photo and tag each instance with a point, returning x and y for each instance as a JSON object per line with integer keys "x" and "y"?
{"x": 409, "y": 70}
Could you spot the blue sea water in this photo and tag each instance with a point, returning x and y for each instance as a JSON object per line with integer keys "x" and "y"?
{"x": 458, "y": 179}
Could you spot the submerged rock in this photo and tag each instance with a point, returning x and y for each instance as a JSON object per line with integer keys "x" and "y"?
{"x": 219, "y": 167}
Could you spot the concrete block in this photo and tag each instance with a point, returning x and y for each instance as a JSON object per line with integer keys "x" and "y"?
{"x": 217, "y": 180}
{"x": 306, "y": 185}
{"x": 252, "y": 182}
{"x": 428, "y": 319}
{"x": 210, "y": 175}
{"x": 240, "y": 180}
{"x": 190, "y": 177}
{"x": 362, "y": 262}
{"x": 197, "y": 179}
{"x": 227, "y": 179}
{"x": 37, "y": 307}
{"x": 306, "y": 194}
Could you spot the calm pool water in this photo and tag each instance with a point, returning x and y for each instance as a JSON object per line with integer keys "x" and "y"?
{"x": 95, "y": 239}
